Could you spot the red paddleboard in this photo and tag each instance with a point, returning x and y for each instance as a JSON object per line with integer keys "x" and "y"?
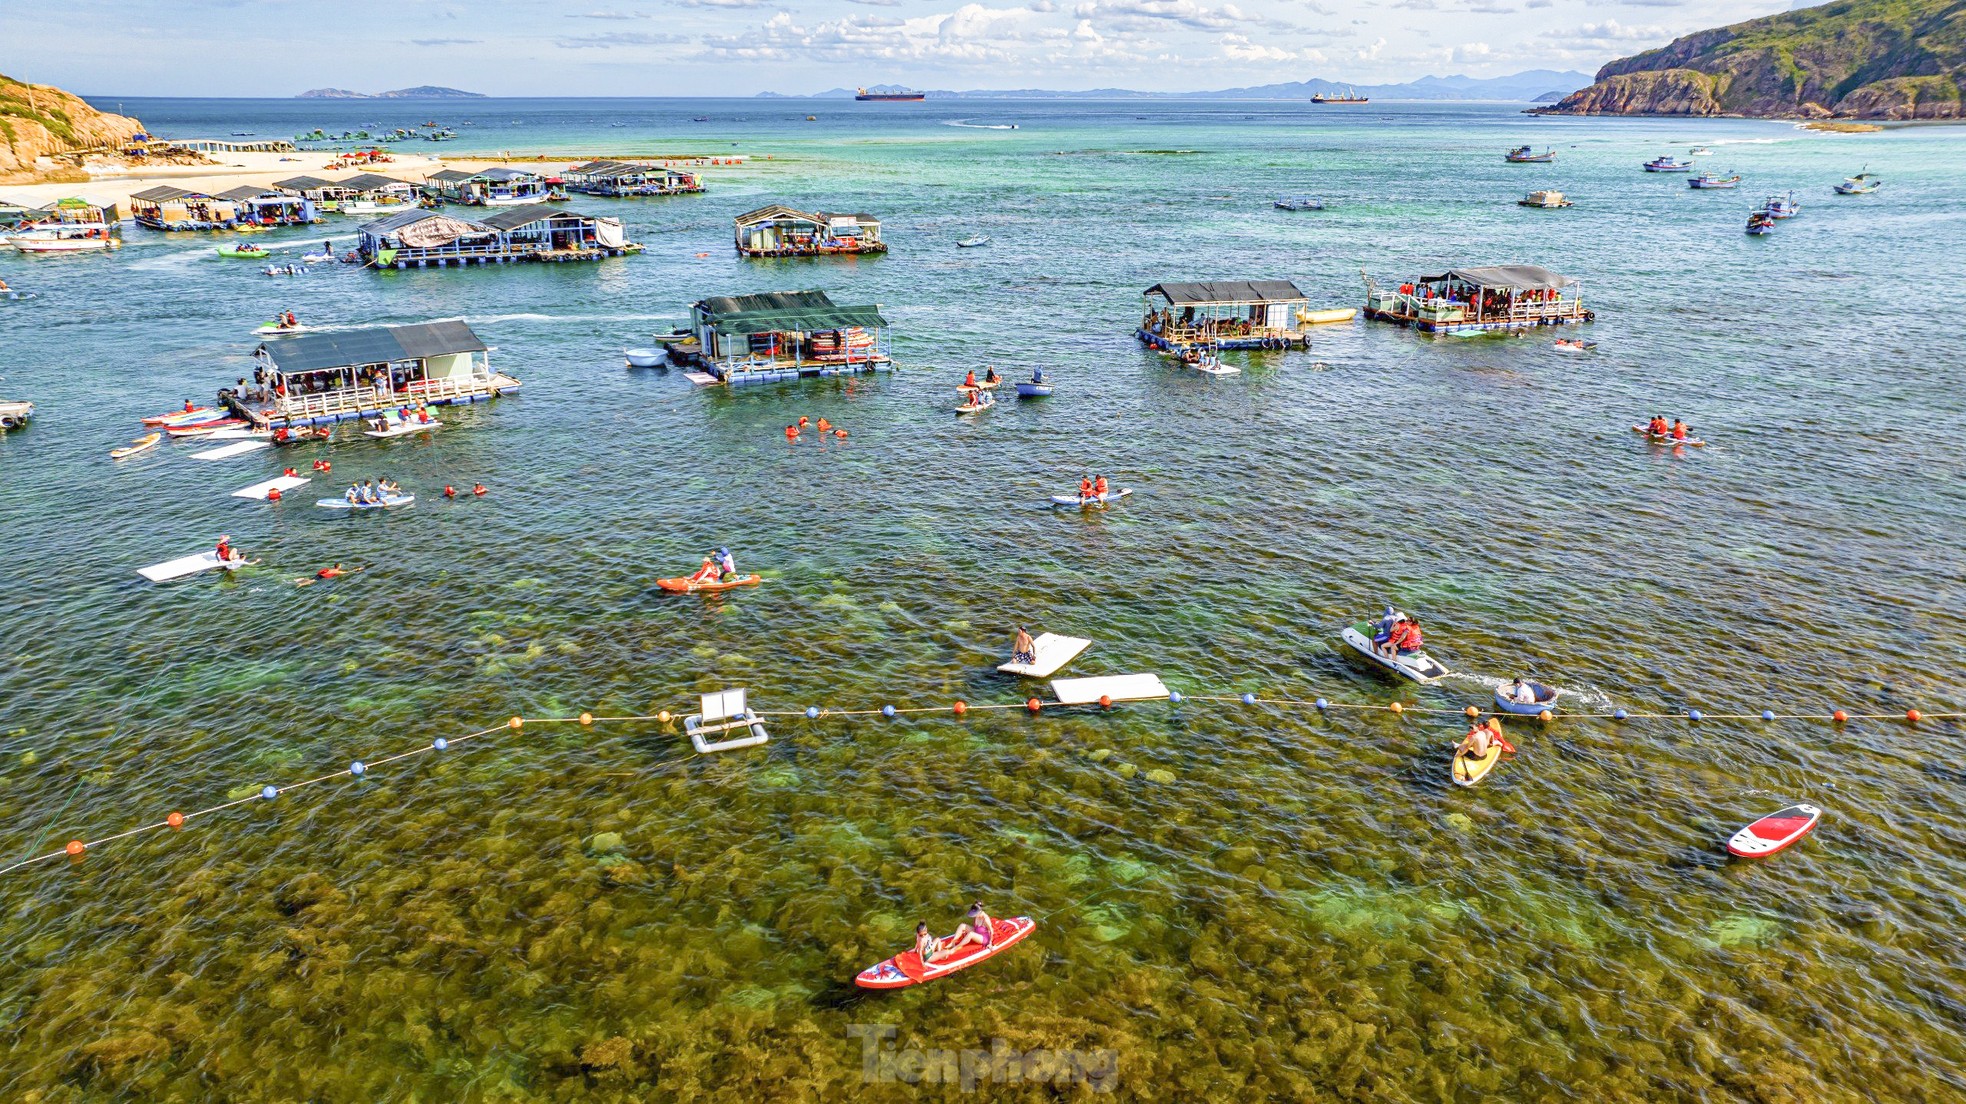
{"x": 683, "y": 584}
{"x": 1774, "y": 832}
{"x": 199, "y": 429}
{"x": 906, "y": 968}
{"x": 177, "y": 416}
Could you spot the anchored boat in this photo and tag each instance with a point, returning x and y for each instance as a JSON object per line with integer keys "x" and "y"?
{"x": 1861, "y": 184}
{"x": 1522, "y": 155}
{"x": 1714, "y": 180}
{"x": 1665, "y": 163}
{"x": 1300, "y": 203}
{"x": 1782, "y": 206}
{"x": 1546, "y": 198}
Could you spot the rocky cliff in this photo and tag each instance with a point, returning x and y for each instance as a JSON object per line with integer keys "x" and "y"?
{"x": 1856, "y": 59}
{"x": 39, "y": 121}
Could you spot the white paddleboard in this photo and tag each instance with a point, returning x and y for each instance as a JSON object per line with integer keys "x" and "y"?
{"x": 281, "y": 483}
{"x": 344, "y": 504}
{"x": 241, "y": 433}
{"x": 1074, "y": 500}
{"x": 403, "y": 429}
{"x": 1053, "y": 652}
{"x": 185, "y": 565}
{"x": 236, "y": 448}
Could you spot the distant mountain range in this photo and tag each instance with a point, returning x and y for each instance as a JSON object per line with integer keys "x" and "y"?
{"x": 1546, "y": 85}
{"x": 420, "y": 92}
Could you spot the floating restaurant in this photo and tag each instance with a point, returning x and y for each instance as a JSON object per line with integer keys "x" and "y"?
{"x": 623, "y": 179}
{"x": 261, "y": 207}
{"x": 780, "y": 231}
{"x": 783, "y": 335}
{"x": 317, "y": 379}
{"x": 499, "y": 187}
{"x": 168, "y": 208}
{"x": 1225, "y": 314}
{"x": 536, "y": 232}
{"x": 1477, "y": 300}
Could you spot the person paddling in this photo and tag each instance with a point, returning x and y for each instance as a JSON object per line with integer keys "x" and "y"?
{"x": 1085, "y": 488}
{"x": 969, "y": 381}
{"x": 727, "y": 565}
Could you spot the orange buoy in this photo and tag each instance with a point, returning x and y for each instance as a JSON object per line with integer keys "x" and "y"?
{"x": 703, "y": 254}
{"x": 586, "y": 718}
{"x": 1911, "y": 715}
{"x": 1105, "y": 701}
{"x": 663, "y": 716}
{"x": 515, "y": 723}
{"x": 1839, "y": 716}
{"x": 960, "y": 708}
{"x": 76, "y": 847}
{"x": 175, "y": 820}
{"x": 1472, "y": 711}
{"x": 1034, "y": 705}
{"x": 1397, "y": 708}
{"x": 1544, "y": 716}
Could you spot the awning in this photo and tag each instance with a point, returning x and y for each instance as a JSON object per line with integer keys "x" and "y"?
{"x": 511, "y": 218}
{"x": 303, "y": 183}
{"x": 719, "y": 306}
{"x": 369, "y": 182}
{"x": 1519, "y": 277}
{"x": 1229, "y": 291}
{"x": 380, "y": 345}
{"x": 815, "y": 320}
{"x": 162, "y": 194}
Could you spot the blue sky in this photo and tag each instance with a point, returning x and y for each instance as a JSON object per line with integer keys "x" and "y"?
{"x": 740, "y": 47}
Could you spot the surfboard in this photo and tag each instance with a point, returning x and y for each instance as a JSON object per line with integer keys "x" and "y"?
{"x": 906, "y": 968}
{"x": 1774, "y": 832}
{"x": 141, "y": 444}
{"x": 187, "y": 565}
{"x": 1666, "y": 439}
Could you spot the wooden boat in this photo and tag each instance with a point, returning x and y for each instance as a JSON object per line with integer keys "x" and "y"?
{"x": 1665, "y": 163}
{"x": 1522, "y": 155}
{"x": 1761, "y": 222}
{"x": 1861, "y": 184}
{"x": 1782, "y": 206}
{"x": 972, "y": 243}
{"x": 142, "y": 444}
{"x": 15, "y": 414}
{"x": 646, "y": 357}
{"x": 1546, "y": 198}
{"x": 1714, "y": 180}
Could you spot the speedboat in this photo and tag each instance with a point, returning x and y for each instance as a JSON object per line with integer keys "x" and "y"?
{"x": 1417, "y": 666}
{"x": 1713, "y": 180}
{"x": 1665, "y": 163}
{"x": 1545, "y": 699}
{"x": 1782, "y": 206}
{"x": 1861, "y": 184}
{"x": 1522, "y": 155}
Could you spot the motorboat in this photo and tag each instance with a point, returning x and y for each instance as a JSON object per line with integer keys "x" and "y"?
{"x": 1861, "y": 184}
{"x": 1523, "y": 155}
{"x": 1300, "y": 203}
{"x": 1665, "y": 163}
{"x": 1714, "y": 180}
{"x": 1782, "y": 206}
{"x": 1546, "y": 198}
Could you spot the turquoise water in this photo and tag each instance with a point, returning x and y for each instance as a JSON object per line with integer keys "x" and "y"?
{"x": 1297, "y": 908}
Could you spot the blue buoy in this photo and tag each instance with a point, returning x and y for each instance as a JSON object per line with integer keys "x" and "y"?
{"x": 1620, "y": 715}
{"x": 357, "y": 768}
{"x": 270, "y": 792}
{"x": 1322, "y": 705}
{"x": 440, "y": 743}
{"x": 887, "y": 711}
{"x": 1767, "y": 714}
{"x": 811, "y": 712}
{"x": 1249, "y": 699}
{"x": 1174, "y": 696}
{"x": 1692, "y": 714}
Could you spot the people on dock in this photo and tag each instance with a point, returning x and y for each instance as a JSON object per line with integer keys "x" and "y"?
{"x": 978, "y": 930}
{"x": 1023, "y": 649}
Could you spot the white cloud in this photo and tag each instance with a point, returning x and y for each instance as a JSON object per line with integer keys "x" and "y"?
{"x": 1237, "y": 47}
{"x": 1608, "y": 34}
{"x": 614, "y": 39}
{"x": 1151, "y": 14}
{"x": 609, "y": 15}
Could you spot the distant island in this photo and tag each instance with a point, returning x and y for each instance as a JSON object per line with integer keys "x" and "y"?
{"x": 1536, "y": 85}
{"x": 1855, "y": 59}
{"x": 420, "y": 92}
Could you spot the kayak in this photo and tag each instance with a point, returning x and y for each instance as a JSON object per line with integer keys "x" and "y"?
{"x": 686, "y": 586}
{"x": 906, "y": 968}
{"x": 180, "y": 417}
{"x": 344, "y": 504}
{"x": 1420, "y": 667}
{"x": 1545, "y": 699}
{"x": 147, "y": 441}
{"x": 1664, "y": 439}
{"x": 1091, "y": 501}
{"x": 1774, "y": 832}
{"x": 1469, "y": 770}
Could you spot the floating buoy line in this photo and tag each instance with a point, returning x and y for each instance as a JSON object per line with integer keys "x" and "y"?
{"x": 175, "y": 821}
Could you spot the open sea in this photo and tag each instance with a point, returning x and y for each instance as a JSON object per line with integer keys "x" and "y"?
{"x": 1234, "y": 903}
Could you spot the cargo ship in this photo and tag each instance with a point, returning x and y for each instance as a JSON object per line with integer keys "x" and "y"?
{"x": 901, "y": 96}
{"x": 1351, "y": 96}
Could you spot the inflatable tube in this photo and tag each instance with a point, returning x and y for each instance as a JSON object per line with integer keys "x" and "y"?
{"x": 906, "y": 968}
{"x": 1545, "y": 699}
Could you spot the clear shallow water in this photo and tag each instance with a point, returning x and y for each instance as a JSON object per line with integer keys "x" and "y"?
{"x": 1306, "y": 910}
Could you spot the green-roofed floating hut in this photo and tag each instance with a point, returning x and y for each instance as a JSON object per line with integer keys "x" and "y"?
{"x": 627, "y": 179}
{"x": 1207, "y": 316}
{"x": 1479, "y": 300}
{"x": 322, "y": 378}
{"x": 786, "y": 335}
{"x": 536, "y": 232}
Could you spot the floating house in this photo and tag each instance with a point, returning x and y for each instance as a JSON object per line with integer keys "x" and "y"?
{"x": 262, "y": 207}
{"x": 168, "y": 208}
{"x": 536, "y": 232}
{"x": 1477, "y": 300}
{"x": 1194, "y": 318}
{"x": 499, "y": 187}
{"x": 372, "y": 194}
{"x": 628, "y": 178}
{"x": 780, "y": 231}
{"x": 785, "y": 335}
{"x": 321, "y": 193}
{"x": 315, "y": 379}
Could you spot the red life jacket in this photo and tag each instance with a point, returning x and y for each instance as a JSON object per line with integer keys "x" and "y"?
{"x": 1657, "y": 428}
{"x": 1099, "y": 487}
{"x": 1085, "y": 488}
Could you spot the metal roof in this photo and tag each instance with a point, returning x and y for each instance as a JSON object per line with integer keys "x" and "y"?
{"x": 810, "y": 320}
{"x": 511, "y": 218}
{"x": 244, "y": 194}
{"x": 162, "y": 194}
{"x": 1229, "y": 291}
{"x": 303, "y": 183}
{"x": 367, "y": 182}
{"x": 378, "y": 345}
{"x": 507, "y": 174}
{"x": 389, "y": 224}
{"x": 450, "y": 176}
{"x": 719, "y": 305}
{"x": 1519, "y": 277}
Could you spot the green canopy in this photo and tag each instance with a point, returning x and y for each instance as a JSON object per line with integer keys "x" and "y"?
{"x": 807, "y": 320}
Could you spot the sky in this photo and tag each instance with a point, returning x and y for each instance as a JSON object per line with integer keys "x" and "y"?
{"x": 742, "y": 47}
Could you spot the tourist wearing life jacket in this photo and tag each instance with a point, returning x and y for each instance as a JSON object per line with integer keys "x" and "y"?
{"x": 1405, "y": 638}
{"x": 708, "y": 572}
{"x": 224, "y": 549}
{"x": 1678, "y": 430}
{"x": 1085, "y": 487}
{"x": 1657, "y": 427}
{"x": 970, "y": 379}
{"x": 1099, "y": 487}
{"x": 727, "y": 564}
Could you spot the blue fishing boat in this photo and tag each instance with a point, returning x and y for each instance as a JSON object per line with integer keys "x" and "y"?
{"x": 1713, "y": 180}
{"x": 1523, "y": 155}
{"x": 1665, "y": 163}
{"x": 1761, "y": 222}
{"x": 1782, "y": 206}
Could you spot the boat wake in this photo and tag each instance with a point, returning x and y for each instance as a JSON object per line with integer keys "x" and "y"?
{"x": 967, "y": 125}
{"x": 1578, "y": 699}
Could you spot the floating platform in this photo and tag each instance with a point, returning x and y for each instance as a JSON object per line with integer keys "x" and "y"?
{"x": 701, "y": 379}
{"x": 1088, "y": 691}
{"x": 723, "y": 713}
{"x": 281, "y": 483}
{"x": 237, "y": 448}
{"x": 1053, "y": 653}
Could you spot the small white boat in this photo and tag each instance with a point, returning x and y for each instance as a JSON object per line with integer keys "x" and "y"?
{"x": 402, "y": 428}
{"x": 1699, "y": 151}
{"x": 972, "y": 243}
{"x": 646, "y": 358}
{"x": 1418, "y": 666}
{"x": 371, "y": 209}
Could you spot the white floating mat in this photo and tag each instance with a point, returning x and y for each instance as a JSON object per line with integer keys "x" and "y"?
{"x": 1053, "y": 652}
{"x": 1085, "y": 691}
{"x": 283, "y": 484}
{"x": 701, "y": 379}
{"x": 180, "y": 567}
{"x": 237, "y": 448}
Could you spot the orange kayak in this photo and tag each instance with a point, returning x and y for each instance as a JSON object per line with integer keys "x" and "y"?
{"x": 688, "y": 586}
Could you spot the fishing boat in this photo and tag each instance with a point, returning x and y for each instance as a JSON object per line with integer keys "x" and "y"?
{"x": 1782, "y": 206}
{"x": 1665, "y": 163}
{"x": 1548, "y": 199}
{"x": 1861, "y": 184}
{"x": 1351, "y": 96}
{"x": 243, "y": 252}
{"x": 1761, "y": 222}
{"x": 972, "y": 243}
{"x": 1699, "y": 151}
{"x": 1523, "y": 155}
{"x": 1714, "y": 180}
{"x": 1300, "y": 203}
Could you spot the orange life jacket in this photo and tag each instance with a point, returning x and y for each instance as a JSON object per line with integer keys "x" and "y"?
{"x": 1099, "y": 487}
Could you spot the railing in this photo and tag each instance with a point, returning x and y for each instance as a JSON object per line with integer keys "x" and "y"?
{"x": 354, "y": 400}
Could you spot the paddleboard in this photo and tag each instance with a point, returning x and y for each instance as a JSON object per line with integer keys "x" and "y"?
{"x": 187, "y": 565}
{"x": 1218, "y": 369}
{"x": 1666, "y": 439}
{"x": 180, "y": 417}
{"x": 141, "y": 444}
{"x": 403, "y": 429}
{"x": 906, "y": 968}
{"x": 684, "y": 585}
{"x": 1469, "y": 770}
{"x": 236, "y": 448}
{"x": 344, "y": 504}
{"x": 281, "y": 483}
{"x": 1774, "y": 832}
{"x": 241, "y": 433}
{"x": 1053, "y": 652}
{"x": 1093, "y": 502}
{"x": 200, "y": 429}
{"x": 983, "y": 385}
{"x": 1420, "y": 667}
